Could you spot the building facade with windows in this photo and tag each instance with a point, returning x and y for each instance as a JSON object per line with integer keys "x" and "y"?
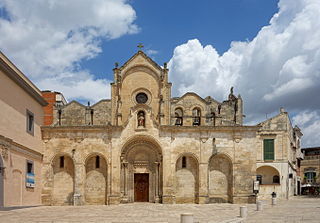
{"x": 310, "y": 167}
{"x": 144, "y": 145}
{"x": 21, "y": 145}
{"x": 278, "y": 157}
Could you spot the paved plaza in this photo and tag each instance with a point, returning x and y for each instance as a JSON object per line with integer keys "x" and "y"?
{"x": 295, "y": 210}
{"x": 298, "y": 209}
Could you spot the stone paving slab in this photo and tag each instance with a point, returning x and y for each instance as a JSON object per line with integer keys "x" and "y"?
{"x": 295, "y": 210}
{"x": 123, "y": 213}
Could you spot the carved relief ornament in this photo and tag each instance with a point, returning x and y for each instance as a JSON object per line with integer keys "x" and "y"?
{"x": 4, "y": 150}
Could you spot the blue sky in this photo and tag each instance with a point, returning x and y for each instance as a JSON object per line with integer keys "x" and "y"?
{"x": 167, "y": 24}
{"x": 268, "y": 50}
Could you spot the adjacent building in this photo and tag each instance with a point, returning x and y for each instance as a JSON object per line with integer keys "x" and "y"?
{"x": 310, "y": 168}
{"x": 278, "y": 157}
{"x": 21, "y": 145}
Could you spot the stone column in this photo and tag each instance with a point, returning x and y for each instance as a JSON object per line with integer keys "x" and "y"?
{"x": 47, "y": 183}
{"x": 125, "y": 178}
{"x": 157, "y": 184}
{"x": 115, "y": 179}
{"x": 205, "y": 146}
{"x": 122, "y": 178}
{"x": 79, "y": 175}
{"x": 203, "y": 183}
{"x": 168, "y": 179}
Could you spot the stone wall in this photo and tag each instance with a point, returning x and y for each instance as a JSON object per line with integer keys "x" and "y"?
{"x": 76, "y": 114}
{"x": 213, "y": 154}
{"x": 212, "y": 112}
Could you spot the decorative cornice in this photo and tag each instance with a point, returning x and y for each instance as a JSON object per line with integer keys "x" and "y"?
{"x": 22, "y": 82}
{"x": 78, "y": 133}
{"x": 174, "y": 128}
{"x": 7, "y": 144}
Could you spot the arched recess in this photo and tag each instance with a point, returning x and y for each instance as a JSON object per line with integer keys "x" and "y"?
{"x": 268, "y": 175}
{"x": 141, "y": 69}
{"x": 16, "y": 187}
{"x": 63, "y": 180}
{"x": 96, "y": 179}
{"x": 220, "y": 179}
{"x": 1, "y": 182}
{"x": 141, "y": 170}
{"x": 196, "y": 116}
{"x": 178, "y": 113}
{"x": 187, "y": 179}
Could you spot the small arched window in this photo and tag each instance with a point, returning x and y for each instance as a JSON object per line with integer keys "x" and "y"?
{"x": 213, "y": 116}
{"x": 97, "y": 162}
{"x": 184, "y": 162}
{"x": 196, "y": 116}
{"x": 276, "y": 179}
{"x": 61, "y": 161}
{"x": 178, "y": 113}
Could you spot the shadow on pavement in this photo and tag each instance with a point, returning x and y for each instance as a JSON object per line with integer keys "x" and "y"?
{"x": 15, "y": 208}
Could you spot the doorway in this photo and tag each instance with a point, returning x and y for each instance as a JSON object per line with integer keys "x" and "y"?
{"x": 141, "y": 187}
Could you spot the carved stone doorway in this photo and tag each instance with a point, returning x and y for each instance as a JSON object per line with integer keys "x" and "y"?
{"x": 141, "y": 171}
{"x": 141, "y": 187}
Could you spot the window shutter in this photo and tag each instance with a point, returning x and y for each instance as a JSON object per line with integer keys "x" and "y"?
{"x": 268, "y": 146}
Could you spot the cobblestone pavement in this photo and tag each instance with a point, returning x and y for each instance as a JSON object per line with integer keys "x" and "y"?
{"x": 295, "y": 210}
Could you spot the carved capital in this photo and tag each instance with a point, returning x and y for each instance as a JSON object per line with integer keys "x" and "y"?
{"x": 4, "y": 151}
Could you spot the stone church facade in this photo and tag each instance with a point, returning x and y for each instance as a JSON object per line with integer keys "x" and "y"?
{"x": 143, "y": 145}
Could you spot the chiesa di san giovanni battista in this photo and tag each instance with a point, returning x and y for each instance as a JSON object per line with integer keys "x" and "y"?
{"x": 143, "y": 145}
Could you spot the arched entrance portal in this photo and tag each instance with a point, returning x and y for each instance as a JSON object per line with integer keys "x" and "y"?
{"x": 141, "y": 171}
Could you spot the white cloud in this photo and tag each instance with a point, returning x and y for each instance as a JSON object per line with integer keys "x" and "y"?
{"x": 310, "y": 123}
{"x": 279, "y": 67}
{"x": 48, "y": 39}
{"x": 151, "y": 52}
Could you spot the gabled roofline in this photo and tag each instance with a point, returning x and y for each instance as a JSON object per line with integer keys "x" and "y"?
{"x": 20, "y": 79}
{"x": 269, "y": 119}
{"x": 191, "y": 94}
{"x": 140, "y": 52}
{"x": 84, "y": 106}
{"x": 74, "y": 101}
{"x": 102, "y": 100}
